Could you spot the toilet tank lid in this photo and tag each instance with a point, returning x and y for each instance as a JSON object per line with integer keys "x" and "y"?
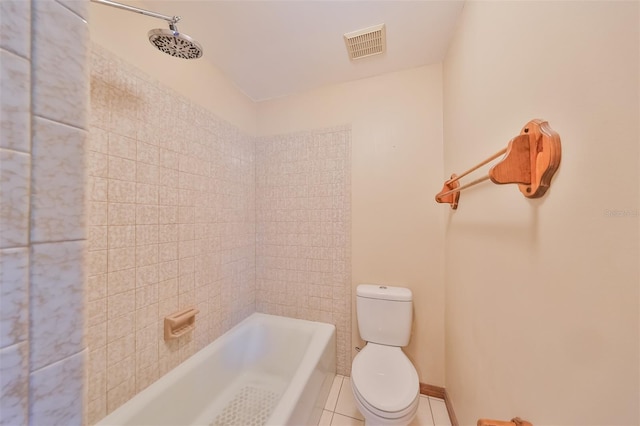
{"x": 384, "y": 292}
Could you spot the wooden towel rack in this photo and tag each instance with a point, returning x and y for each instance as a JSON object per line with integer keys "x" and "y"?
{"x": 516, "y": 421}
{"x": 530, "y": 160}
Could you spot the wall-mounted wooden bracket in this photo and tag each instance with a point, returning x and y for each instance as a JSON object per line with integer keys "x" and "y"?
{"x": 451, "y": 197}
{"x": 530, "y": 160}
{"x": 516, "y": 421}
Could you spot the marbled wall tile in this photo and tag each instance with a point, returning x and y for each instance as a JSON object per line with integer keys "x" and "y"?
{"x": 15, "y": 89}
{"x": 14, "y": 385}
{"x": 14, "y": 295}
{"x": 56, "y": 301}
{"x": 14, "y": 198}
{"x": 60, "y": 83}
{"x": 58, "y": 182}
{"x": 56, "y": 392}
{"x": 15, "y": 26}
{"x": 79, "y": 7}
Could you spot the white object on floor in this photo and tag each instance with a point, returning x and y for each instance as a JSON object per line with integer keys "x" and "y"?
{"x": 385, "y": 383}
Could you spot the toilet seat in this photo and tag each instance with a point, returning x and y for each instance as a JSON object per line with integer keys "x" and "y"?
{"x": 385, "y": 381}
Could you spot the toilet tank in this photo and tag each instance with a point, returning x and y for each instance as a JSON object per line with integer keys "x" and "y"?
{"x": 384, "y": 314}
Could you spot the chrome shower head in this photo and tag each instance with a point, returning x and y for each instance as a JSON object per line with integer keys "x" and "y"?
{"x": 168, "y": 41}
{"x": 173, "y": 43}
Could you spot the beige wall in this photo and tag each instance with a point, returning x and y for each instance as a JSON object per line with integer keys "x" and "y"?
{"x": 542, "y": 295}
{"x": 125, "y": 33}
{"x": 396, "y": 167}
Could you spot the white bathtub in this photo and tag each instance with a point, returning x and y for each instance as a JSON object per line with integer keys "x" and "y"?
{"x": 266, "y": 370}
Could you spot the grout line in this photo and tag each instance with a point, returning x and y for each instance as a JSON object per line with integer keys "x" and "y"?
{"x": 56, "y": 121}
{"x": 72, "y": 11}
{"x": 433, "y": 419}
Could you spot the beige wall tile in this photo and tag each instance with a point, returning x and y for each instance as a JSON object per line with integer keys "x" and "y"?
{"x": 298, "y": 216}
{"x": 97, "y": 214}
{"x": 121, "y": 236}
{"x": 121, "y": 394}
{"x": 146, "y": 295}
{"x": 147, "y": 173}
{"x": 121, "y": 281}
{"x": 121, "y": 168}
{"x": 120, "y": 349}
{"x": 96, "y": 287}
{"x": 120, "y": 304}
{"x": 120, "y": 372}
{"x": 167, "y": 251}
{"x": 168, "y": 289}
{"x": 146, "y": 193}
{"x": 121, "y": 258}
{"x": 146, "y": 214}
{"x": 121, "y": 214}
{"x": 96, "y": 335}
{"x": 147, "y": 255}
{"x": 175, "y": 215}
{"x": 146, "y": 275}
{"x": 97, "y": 409}
{"x": 147, "y": 234}
{"x": 168, "y": 233}
{"x": 122, "y": 146}
{"x": 96, "y": 313}
{"x": 121, "y": 191}
{"x": 121, "y": 326}
{"x": 147, "y": 153}
{"x": 147, "y": 315}
{"x": 97, "y": 238}
{"x": 98, "y": 138}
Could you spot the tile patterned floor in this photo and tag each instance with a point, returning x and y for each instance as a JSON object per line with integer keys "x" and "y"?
{"x": 341, "y": 410}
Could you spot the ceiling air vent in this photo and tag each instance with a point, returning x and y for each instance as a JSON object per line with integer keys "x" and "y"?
{"x": 366, "y": 42}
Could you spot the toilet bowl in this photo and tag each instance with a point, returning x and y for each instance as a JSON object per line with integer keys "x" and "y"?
{"x": 385, "y": 385}
{"x": 384, "y": 382}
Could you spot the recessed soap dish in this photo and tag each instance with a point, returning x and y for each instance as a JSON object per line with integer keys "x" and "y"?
{"x": 180, "y": 323}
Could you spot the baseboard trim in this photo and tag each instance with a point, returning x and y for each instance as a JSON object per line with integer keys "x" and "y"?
{"x": 441, "y": 393}
{"x": 452, "y": 414}
{"x": 430, "y": 390}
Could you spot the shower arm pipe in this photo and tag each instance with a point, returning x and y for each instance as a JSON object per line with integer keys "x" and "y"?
{"x": 170, "y": 19}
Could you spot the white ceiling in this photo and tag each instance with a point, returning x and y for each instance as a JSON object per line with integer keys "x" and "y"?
{"x": 271, "y": 49}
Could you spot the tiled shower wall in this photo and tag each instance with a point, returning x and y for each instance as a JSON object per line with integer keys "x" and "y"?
{"x": 171, "y": 225}
{"x": 44, "y": 99}
{"x": 303, "y": 243}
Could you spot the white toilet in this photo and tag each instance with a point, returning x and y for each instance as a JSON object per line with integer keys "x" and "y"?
{"x": 383, "y": 380}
